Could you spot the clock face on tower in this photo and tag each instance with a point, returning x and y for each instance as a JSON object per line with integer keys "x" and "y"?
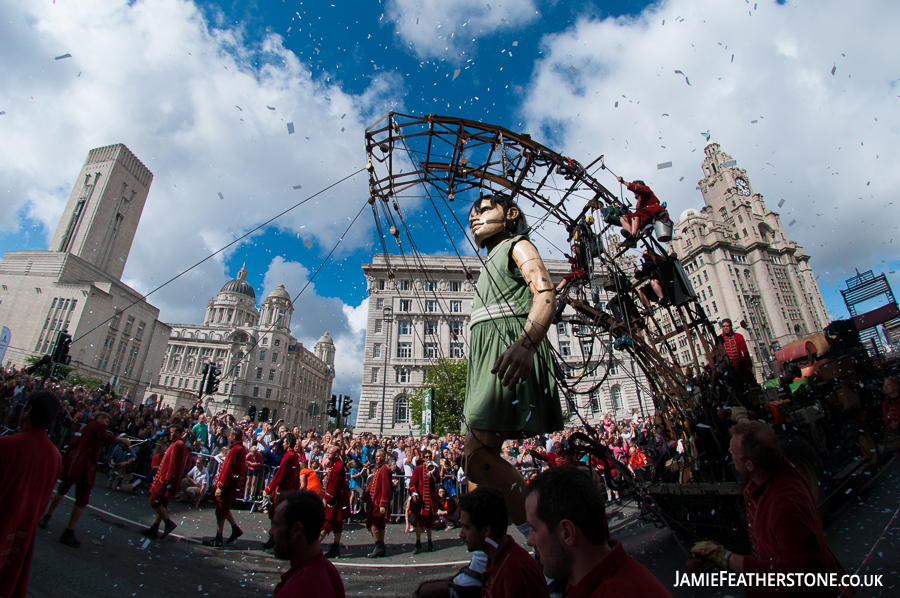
{"x": 743, "y": 186}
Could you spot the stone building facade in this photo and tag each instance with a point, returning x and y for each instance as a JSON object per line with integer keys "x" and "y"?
{"x": 743, "y": 266}
{"x": 265, "y": 371}
{"x": 76, "y": 285}
{"x": 431, "y": 306}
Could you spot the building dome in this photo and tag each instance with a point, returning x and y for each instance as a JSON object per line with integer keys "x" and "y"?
{"x": 240, "y": 285}
{"x": 280, "y": 293}
{"x": 325, "y": 340}
{"x": 687, "y": 213}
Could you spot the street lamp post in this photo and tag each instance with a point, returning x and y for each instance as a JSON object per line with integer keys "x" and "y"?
{"x": 388, "y": 315}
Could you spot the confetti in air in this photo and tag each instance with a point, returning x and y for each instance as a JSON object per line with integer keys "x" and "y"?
{"x": 290, "y": 127}
{"x": 663, "y": 165}
{"x": 63, "y": 56}
{"x": 221, "y": 196}
{"x": 792, "y": 222}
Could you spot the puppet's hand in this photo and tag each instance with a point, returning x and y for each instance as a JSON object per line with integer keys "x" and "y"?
{"x": 514, "y": 365}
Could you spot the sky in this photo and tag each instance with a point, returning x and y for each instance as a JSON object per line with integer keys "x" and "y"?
{"x": 804, "y": 95}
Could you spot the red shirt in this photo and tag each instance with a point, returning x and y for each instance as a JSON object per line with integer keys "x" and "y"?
{"x": 738, "y": 355}
{"x": 335, "y": 491}
{"x": 646, "y": 199}
{"x": 81, "y": 458}
{"x": 786, "y": 533}
{"x": 552, "y": 459}
{"x": 316, "y": 578}
{"x": 426, "y": 487}
{"x": 892, "y": 416}
{"x": 617, "y": 574}
{"x": 380, "y": 488}
{"x": 287, "y": 476}
{"x": 233, "y": 473}
{"x": 29, "y": 464}
{"x": 513, "y": 573}
{"x": 171, "y": 470}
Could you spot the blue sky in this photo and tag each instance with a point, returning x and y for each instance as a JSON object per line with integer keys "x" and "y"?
{"x": 802, "y": 94}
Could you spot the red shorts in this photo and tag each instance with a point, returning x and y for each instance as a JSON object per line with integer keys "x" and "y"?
{"x": 377, "y": 521}
{"x": 426, "y": 521}
{"x": 158, "y": 500}
{"x": 333, "y": 526}
{"x": 82, "y": 490}
{"x": 223, "y": 508}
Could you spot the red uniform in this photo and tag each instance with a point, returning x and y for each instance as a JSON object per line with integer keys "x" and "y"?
{"x": 232, "y": 477}
{"x": 786, "y": 534}
{"x": 335, "y": 495}
{"x": 285, "y": 478}
{"x": 891, "y": 416}
{"x": 426, "y": 504}
{"x": 29, "y": 465}
{"x": 316, "y": 578}
{"x": 378, "y": 494}
{"x": 617, "y": 574}
{"x": 738, "y": 355}
{"x": 647, "y": 207}
{"x": 167, "y": 481}
{"x": 552, "y": 459}
{"x": 80, "y": 464}
{"x": 513, "y": 572}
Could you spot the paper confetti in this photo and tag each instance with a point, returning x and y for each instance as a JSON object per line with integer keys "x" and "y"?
{"x": 617, "y": 105}
{"x": 780, "y": 203}
{"x": 298, "y": 186}
{"x": 70, "y": 56}
{"x": 573, "y": 69}
{"x": 833, "y": 69}
{"x": 730, "y": 163}
{"x": 663, "y": 165}
{"x": 269, "y": 107}
{"x": 688, "y": 81}
{"x": 290, "y": 128}
{"x": 307, "y": 243}
{"x": 2, "y": 112}
{"x": 681, "y": 179}
{"x": 456, "y": 74}
{"x": 792, "y": 222}
{"x": 238, "y": 107}
{"x": 221, "y": 196}
{"x": 753, "y": 122}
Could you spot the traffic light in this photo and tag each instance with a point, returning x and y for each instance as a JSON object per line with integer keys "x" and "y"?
{"x": 212, "y": 379}
{"x": 348, "y": 407}
{"x": 61, "y": 349}
{"x": 251, "y": 412}
{"x": 332, "y": 406}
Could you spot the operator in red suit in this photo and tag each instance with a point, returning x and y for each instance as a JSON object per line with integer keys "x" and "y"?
{"x": 335, "y": 496}
{"x": 647, "y": 208}
{"x": 786, "y": 533}
{"x": 378, "y": 503}
{"x": 167, "y": 482}
{"x": 738, "y": 355}
{"x": 424, "y": 499}
{"x": 285, "y": 479}
{"x": 29, "y": 465}
{"x": 229, "y": 484}
{"x": 79, "y": 469}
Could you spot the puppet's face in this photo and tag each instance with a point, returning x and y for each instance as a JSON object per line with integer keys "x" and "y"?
{"x": 487, "y": 221}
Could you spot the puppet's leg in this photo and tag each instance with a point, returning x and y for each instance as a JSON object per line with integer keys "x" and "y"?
{"x": 486, "y": 467}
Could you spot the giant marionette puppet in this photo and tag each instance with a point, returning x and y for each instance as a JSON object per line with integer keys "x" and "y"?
{"x": 510, "y": 390}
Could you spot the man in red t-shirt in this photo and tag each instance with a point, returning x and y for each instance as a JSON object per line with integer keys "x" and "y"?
{"x": 570, "y": 534}
{"x": 167, "y": 482}
{"x": 296, "y": 527}
{"x": 29, "y": 465}
{"x": 553, "y": 459}
{"x": 79, "y": 469}
{"x": 511, "y": 572}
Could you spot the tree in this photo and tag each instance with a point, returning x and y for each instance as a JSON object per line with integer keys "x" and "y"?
{"x": 448, "y": 381}
{"x": 59, "y": 372}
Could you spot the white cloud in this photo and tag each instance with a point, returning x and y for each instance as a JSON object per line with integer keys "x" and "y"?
{"x": 448, "y": 29}
{"x": 825, "y": 143}
{"x": 190, "y": 101}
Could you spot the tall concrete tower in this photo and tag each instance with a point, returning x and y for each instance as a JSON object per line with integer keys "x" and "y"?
{"x": 104, "y": 209}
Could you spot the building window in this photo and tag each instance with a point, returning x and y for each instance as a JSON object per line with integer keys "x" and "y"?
{"x": 561, "y": 328}
{"x": 456, "y": 307}
{"x": 255, "y": 391}
{"x": 376, "y": 350}
{"x": 265, "y": 341}
{"x": 129, "y": 323}
{"x": 456, "y": 328}
{"x": 373, "y": 408}
{"x": 268, "y": 393}
{"x": 454, "y": 286}
{"x": 277, "y": 342}
{"x": 710, "y": 291}
{"x": 431, "y": 328}
{"x": 38, "y": 291}
{"x": 431, "y": 306}
{"x": 374, "y": 375}
{"x": 405, "y": 305}
{"x": 614, "y": 368}
{"x": 380, "y": 284}
{"x": 259, "y": 373}
{"x": 114, "y": 322}
{"x": 595, "y": 400}
{"x": 403, "y": 285}
{"x": 274, "y": 356}
{"x": 615, "y": 396}
{"x": 262, "y": 355}
{"x": 740, "y": 218}
{"x": 379, "y": 304}
{"x": 744, "y": 231}
{"x": 401, "y": 411}
{"x": 403, "y": 375}
{"x": 431, "y": 351}
{"x": 195, "y": 385}
{"x": 565, "y": 348}
{"x": 404, "y": 350}
{"x": 404, "y": 327}
{"x": 377, "y": 325}
{"x": 587, "y": 346}
{"x": 271, "y": 375}
{"x": 430, "y": 285}
{"x": 456, "y": 351}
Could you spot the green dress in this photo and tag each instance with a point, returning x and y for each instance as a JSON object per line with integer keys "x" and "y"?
{"x": 502, "y": 303}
